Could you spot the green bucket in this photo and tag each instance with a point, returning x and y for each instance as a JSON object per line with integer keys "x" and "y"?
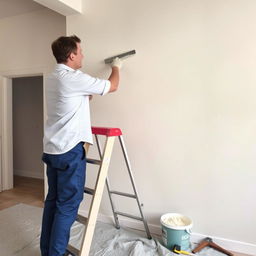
{"x": 176, "y": 230}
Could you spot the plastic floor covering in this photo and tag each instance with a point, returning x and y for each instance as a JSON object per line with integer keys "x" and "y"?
{"x": 20, "y": 233}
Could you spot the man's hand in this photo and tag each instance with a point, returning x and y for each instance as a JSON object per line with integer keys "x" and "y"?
{"x": 116, "y": 63}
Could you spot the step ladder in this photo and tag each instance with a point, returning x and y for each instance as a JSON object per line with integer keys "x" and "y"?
{"x": 96, "y": 193}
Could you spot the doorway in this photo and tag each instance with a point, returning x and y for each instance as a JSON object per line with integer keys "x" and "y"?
{"x": 27, "y": 112}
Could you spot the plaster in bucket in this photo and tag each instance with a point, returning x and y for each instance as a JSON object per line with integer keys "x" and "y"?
{"x": 176, "y": 230}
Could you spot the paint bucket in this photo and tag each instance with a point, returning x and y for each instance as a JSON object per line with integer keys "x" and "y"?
{"x": 176, "y": 230}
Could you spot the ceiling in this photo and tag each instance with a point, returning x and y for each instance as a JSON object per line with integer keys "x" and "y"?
{"x": 16, "y": 7}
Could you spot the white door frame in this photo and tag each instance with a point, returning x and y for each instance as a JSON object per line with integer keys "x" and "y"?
{"x": 6, "y": 122}
{"x": 7, "y": 152}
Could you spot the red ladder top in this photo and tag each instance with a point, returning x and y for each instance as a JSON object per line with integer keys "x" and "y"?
{"x": 109, "y": 132}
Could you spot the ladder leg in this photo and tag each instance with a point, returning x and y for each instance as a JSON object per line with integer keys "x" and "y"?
{"x": 86, "y": 147}
{"x": 133, "y": 184}
{"x": 95, "y": 204}
{"x": 112, "y": 205}
{"x": 117, "y": 224}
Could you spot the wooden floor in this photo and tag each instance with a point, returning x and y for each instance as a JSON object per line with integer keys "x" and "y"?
{"x": 30, "y": 191}
{"x": 26, "y": 190}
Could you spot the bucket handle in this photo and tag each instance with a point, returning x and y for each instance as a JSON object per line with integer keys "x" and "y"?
{"x": 188, "y": 230}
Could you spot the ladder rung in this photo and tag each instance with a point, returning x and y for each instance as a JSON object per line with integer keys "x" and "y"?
{"x": 81, "y": 219}
{"x": 122, "y": 194}
{"x": 89, "y": 191}
{"x": 93, "y": 161}
{"x": 72, "y": 250}
{"x": 129, "y": 216}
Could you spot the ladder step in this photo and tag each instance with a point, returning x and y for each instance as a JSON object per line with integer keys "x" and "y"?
{"x": 89, "y": 191}
{"x": 122, "y": 194}
{"x": 129, "y": 216}
{"x": 81, "y": 219}
{"x": 72, "y": 250}
{"x": 93, "y": 161}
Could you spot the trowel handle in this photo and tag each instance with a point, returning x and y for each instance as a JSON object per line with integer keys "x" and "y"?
{"x": 201, "y": 246}
{"x": 220, "y": 249}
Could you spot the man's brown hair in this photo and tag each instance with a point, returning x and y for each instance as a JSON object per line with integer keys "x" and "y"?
{"x": 64, "y": 46}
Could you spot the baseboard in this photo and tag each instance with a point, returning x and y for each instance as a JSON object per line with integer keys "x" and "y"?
{"x": 228, "y": 244}
{"x": 231, "y": 245}
{"x": 26, "y": 173}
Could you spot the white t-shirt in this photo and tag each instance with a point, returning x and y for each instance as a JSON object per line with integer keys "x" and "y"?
{"x": 68, "y": 112}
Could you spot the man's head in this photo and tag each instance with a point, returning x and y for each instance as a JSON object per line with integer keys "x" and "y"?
{"x": 67, "y": 50}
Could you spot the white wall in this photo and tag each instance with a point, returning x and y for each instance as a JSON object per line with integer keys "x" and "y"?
{"x": 28, "y": 126}
{"x": 186, "y": 105}
{"x": 26, "y": 40}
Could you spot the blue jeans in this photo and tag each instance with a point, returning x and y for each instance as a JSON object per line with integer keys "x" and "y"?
{"x": 66, "y": 179}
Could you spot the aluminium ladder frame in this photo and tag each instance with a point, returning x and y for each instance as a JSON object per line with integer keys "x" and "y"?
{"x": 102, "y": 178}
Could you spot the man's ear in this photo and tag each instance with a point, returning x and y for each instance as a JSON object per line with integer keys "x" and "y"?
{"x": 71, "y": 56}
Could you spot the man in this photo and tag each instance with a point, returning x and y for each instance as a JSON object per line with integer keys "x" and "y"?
{"x": 67, "y": 128}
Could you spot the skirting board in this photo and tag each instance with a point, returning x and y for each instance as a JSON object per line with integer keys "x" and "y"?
{"x": 30, "y": 174}
{"x": 231, "y": 245}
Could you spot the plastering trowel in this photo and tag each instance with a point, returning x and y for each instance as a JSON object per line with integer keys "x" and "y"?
{"x": 122, "y": 55}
